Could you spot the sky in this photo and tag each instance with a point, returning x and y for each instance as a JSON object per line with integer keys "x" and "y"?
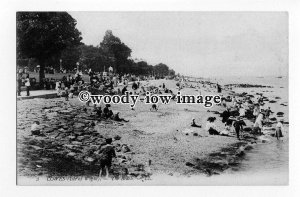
{"x": 198, "y": 43}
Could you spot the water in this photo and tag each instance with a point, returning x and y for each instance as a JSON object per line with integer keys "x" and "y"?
{"x": 270, "y": 159}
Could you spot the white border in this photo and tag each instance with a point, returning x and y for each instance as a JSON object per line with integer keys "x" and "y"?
{"x": 8, "y": 84}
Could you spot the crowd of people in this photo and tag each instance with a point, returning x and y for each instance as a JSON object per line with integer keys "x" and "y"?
{"x": 239, "y": 109}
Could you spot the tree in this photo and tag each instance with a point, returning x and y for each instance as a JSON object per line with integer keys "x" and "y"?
{"x": 116, "y": 50}
{"x": 161, "y": 69}
{"x": 94, "y": 58}
{"x": 172, "y": 72}
{"x": 42, "y": 35}
{"x": 70, "y": 56}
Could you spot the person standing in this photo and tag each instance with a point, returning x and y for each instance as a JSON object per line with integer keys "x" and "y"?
{"x": 27, "y": 84}
{"x": 19, "y": 84}
{"x": 106, "y": 154}
{"x": 279, "y": 129}
{"x": 242, "y": 111}
{"x": 238, "y": 126}
{"x": 268, "y": 112}
{"x": 256, "y": 110}
{"x": 257, "y": 127}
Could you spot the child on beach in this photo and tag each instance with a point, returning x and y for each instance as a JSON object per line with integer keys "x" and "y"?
{"x": 267, "y": 114}
{"x": 225, "y": 115}
{"x": 238, "y": 126}
{"x": 66, "y": 94}
{"x": 57, "y": 88}
{"x": 106, "y": 154}
{"x": 257, "y": 127}
{"x": 256, "y": 110}
{"x": 193, "y": 124}
{"x": 27, "y": 84}
{"x": 211, "y": 127}
{"x": 116, "y": 117}
{"x": 226, "y": 130}
{"x": 35, "y": 128}
{"x": 279, "y": 129}
{"x": 242, "y": 111}
{"x": 71, "y": 91}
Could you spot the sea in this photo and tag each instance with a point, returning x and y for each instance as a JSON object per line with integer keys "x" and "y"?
{"x": 267, "y": 163}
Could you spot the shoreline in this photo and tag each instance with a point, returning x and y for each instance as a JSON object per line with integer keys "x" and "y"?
{"x": 165, "y": 144}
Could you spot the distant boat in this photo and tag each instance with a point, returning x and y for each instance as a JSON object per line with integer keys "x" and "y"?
{"x": 279, "y": 77}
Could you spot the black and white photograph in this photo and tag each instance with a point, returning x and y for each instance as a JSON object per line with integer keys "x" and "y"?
{"x": 152, "y": 98}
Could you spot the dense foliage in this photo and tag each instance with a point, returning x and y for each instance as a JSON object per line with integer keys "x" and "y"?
{"x": 51, "y": 39}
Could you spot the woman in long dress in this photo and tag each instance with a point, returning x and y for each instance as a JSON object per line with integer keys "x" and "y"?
{"x": 279, "y": 129}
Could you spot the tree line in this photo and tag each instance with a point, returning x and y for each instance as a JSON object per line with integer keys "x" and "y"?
{"x": 51, "y": 39}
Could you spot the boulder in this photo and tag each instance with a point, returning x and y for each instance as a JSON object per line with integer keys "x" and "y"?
{"x": 89, "y": 159}
{"x": 189, "y": 164}
{"x": 125, "y": 148}
{"x": 117, "y": 137}
{"x": 71, "y": 154}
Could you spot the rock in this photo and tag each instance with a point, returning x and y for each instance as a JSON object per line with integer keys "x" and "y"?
{"x": 70, "y": 146}
{"x": 135, "y": 174}
{"x": 187, "y": 131}
{"x": 71, "y": 137}
{"x": 248, "y": 147}
{"x": 35, "y": 147}
{"x": 240, "y": 153}
{"x": 80, "y": 138}
{"x": 279, "y": 113}
{"x": 189, "y": 164}
{"x": 48, "y": 130}
{"x": 247, "y": 129}
{"x": 195, "y": 134}
{"x": 89, "y": 159}
{"x": 33, "y": 142}
{"x": 117, "y": 137}
{"x": 36, "y": 132}
{"x": 65, "y": 112}
{"x": 79, "y": 125}
{"x": 71, "y": 154}
{"x": 208, "y": 172}
{"x": 121, "y": 156}
{"x": 125, "y": 148}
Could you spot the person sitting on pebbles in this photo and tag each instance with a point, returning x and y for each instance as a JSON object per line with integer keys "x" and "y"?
{"x": 211, "y": 127}
{"x": 226, "y": 130}
{"x": 98, "y": 111}
{"x": 225, "y": 115}
{"x": 107, "y": 113}
{"x": 117, "y": 118}
{"x": 35, "y": 128}
{"x": 193, "y": 124}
